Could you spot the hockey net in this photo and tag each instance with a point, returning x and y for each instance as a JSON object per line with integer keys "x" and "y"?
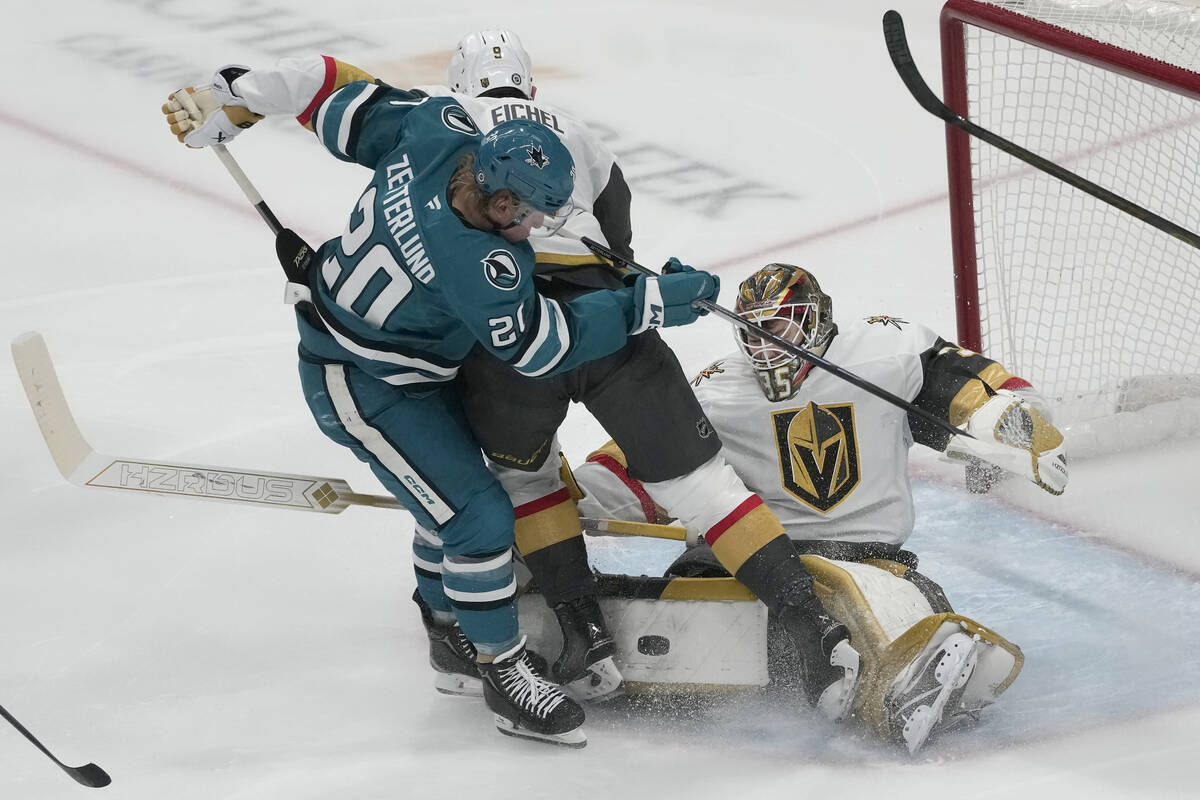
{"x": 1096, "y": 308}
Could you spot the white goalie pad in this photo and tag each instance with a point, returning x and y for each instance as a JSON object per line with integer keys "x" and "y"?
{"x": 896, "y": 631}
{"x": 683, "y": 632}
{"x": 944, "y": 669}
{"x": 709, "y": 634}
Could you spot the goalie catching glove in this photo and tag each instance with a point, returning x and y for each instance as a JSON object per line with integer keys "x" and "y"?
{"x": 212, "y": 115}
{"x": 1011, "y": 433}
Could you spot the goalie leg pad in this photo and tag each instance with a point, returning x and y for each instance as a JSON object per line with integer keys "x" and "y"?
{"x": 885, "y": 701}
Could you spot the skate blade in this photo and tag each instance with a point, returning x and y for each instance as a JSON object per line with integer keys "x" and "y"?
{"x": 602, "y": 681}
{"x": 575, "y": 738}
{"x": 458, "y": 685}
{"x": 952, "y": 672}
{"x": 836, "y": 701}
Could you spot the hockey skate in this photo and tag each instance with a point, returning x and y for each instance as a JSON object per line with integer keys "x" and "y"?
{"x": 451, "y": 655}
{"x": 527, "y": 705}
{"x": 924, "y": 698}
{"x": 830, "y": 666}
{"x": 585, "y": 666}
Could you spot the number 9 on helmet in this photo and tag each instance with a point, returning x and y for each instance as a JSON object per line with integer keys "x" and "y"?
{"x": 488, "y": 60}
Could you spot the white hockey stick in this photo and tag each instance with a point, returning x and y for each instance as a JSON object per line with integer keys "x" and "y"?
{"x": 83, "y": 466}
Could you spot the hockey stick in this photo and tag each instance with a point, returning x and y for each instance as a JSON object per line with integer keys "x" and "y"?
{"x": 88, "y": 775}
{"x": 247, "y": 188}
{"x": 620, "y": 527}
{"x": 812, "y": 358}
{"x": 80, "y": 464}
{"x": 897, "y": 45}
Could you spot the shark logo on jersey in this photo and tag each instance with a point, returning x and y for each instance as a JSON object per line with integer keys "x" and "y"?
{"x": 818, "y": 453}
{"x": 714, "y": 368}
{"x": 458, "y": 120}
{"x": 501, "y": 270}
{"x": 537, "y": 158}
{"x": 895, "y": 322}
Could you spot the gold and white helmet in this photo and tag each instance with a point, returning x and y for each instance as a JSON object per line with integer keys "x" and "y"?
{"x": 489, "y": 60}
{"x": 788, "y": 302}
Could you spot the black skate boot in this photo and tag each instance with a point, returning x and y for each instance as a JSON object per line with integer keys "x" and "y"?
{"x": 585, "y": 665}
{"x": 451, "y": 655}
{"x": 829, "y": 665}
{"x": 526, "y": 704}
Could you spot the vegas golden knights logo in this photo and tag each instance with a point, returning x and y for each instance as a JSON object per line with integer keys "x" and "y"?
{"x": 818, "y": 453}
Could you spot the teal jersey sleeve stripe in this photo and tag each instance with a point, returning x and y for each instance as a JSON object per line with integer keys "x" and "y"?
{"x": 338, "y": 119}
{"x": 550, "y": 343}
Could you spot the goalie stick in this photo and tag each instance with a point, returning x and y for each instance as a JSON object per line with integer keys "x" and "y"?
{"x": 80, "y": 464}
{"x": 88, "y": 775}
{"x": 897, "y": 45}
{"x": 791, "y": 347}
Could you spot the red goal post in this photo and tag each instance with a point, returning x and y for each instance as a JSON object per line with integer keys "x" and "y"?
{"x": 1099, "y": 310}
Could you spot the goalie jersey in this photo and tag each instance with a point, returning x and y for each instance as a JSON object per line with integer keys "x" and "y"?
{"x": 831, "y": 461}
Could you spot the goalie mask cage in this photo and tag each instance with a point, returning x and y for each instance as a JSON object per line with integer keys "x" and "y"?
{"x": 1094, "y": 307}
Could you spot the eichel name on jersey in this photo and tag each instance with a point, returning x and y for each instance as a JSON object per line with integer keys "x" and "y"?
{"x": 511, "y": 111}
{"x": 841, "y": 466}
{"x": 601, "y": 199}
{"x": 360, "y": 288}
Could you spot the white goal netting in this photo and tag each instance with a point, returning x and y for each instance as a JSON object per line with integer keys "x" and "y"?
{"x": 1089, "y": 303}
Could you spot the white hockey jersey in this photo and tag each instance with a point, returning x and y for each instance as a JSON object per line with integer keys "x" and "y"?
{"x": 831, "y": 462}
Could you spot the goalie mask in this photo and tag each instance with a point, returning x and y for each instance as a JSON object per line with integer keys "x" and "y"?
{"x": 788, "y": 302}
{"x": 488, "y": 60}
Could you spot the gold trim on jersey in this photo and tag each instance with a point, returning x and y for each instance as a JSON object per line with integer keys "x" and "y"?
{"x": 547, "y": 527}
{"x": 758, "y": 528}
{"x": 818, "y": 453}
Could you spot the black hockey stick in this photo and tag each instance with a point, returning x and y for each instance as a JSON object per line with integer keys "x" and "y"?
{"x": 897, "y": 45}
{"x": 812, "y": 358}
{"x": 88, "y": 774}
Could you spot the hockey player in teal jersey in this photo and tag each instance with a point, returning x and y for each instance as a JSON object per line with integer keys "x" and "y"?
{"x": 432, "y": 261}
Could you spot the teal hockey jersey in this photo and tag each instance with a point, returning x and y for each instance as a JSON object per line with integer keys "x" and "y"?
{"x": 409, "y": 287}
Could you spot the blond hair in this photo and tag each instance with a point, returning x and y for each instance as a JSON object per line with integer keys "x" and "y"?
{"x": 463, "y": 183}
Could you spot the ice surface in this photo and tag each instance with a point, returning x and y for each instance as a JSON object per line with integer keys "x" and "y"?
{"x": 212, "y": 651}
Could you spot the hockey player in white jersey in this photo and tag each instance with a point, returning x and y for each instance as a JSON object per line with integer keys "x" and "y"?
{"x": 831, "y": 460}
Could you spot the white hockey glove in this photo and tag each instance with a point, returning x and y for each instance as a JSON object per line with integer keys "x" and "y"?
{"x": 212, "y": 114}
{"x": 1011, "y": 433}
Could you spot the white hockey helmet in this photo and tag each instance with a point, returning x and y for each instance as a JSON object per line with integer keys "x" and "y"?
{"x": 788, "y": 302}
{"x": 488, "y": 60}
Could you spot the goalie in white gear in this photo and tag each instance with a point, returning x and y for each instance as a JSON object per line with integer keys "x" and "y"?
{"x": 831, "y": 461}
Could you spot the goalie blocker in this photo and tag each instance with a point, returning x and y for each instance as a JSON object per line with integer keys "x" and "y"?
{"x": 924, "y": 668}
